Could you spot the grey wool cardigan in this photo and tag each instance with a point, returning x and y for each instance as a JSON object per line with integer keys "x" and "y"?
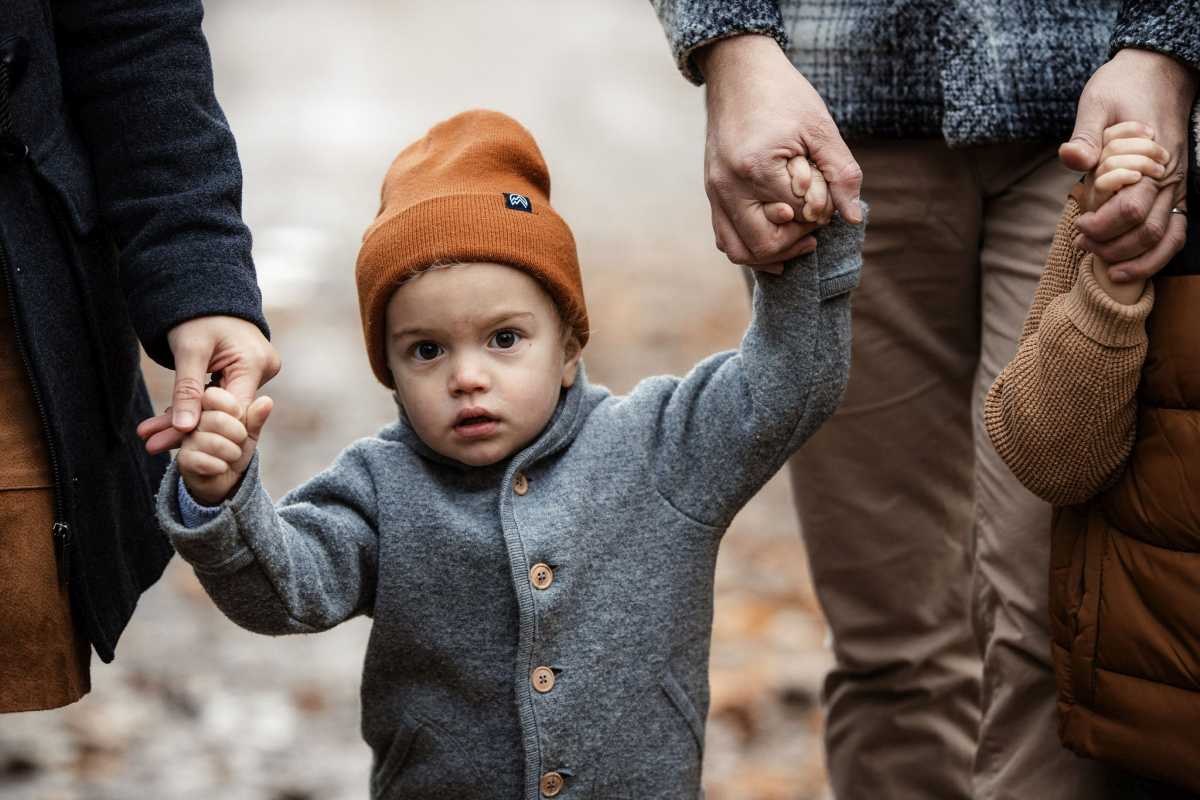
{"x": 542, "y": 626}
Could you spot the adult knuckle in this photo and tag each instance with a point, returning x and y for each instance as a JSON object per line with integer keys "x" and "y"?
{"x": 1129, "y": 208}
{"x": 1152, "y": 231}
{"x": 761, "y": 251}
{"x": 747, "y": 163}
{"x": 188, "y": 388}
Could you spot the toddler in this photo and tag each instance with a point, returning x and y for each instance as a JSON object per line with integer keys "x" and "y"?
{"x": 1098, "y": 415}
{"x": 536, "y": 554}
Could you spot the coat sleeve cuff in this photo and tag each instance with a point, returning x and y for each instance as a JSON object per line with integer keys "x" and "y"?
{"x": 170, "y": 297}
{"x": 692, "y": 24}
{"x": 1164, "y": 26}
{"x": 216, "y": 545}
{"x": 192, "y": 513}
{"x": 1101, "y": 318}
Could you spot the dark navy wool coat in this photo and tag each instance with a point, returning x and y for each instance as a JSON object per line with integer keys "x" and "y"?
{"x": 120, "y": 195}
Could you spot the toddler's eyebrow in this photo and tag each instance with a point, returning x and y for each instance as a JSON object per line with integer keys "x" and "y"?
{"x": 503, "y": 316}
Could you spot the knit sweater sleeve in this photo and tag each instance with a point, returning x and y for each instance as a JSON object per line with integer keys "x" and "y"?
{"x": 1171, "y": 27}
{"x": 1062, "y": 414}
{"x": 720, "y": 433}
{"x": 692, "y": 24}
{"x": 301, "y": 566}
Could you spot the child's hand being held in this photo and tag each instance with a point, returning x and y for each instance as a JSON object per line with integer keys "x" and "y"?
{"x": 808, "y": 182}
{"x": 213, "y": 457}
{"x": 1130, "y": 153}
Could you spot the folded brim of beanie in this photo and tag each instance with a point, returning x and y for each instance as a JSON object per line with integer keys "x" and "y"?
{"x": 465, "y": 228}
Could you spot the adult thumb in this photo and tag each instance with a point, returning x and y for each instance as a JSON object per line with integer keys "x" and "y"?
{"x": 191, "y": 365}
{"x": 1081, "y": 152}
{"x": 256, "y": 416}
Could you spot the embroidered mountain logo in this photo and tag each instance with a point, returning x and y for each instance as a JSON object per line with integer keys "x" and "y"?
{"x": 518, "y": 202}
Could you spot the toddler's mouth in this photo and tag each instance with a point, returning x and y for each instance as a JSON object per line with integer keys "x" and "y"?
{"x": 473, "y": 423}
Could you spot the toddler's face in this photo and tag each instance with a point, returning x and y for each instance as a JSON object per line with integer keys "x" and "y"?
{"x": 478, "y": 355}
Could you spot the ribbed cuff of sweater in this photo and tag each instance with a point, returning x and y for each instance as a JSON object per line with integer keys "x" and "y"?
{"x": 1164, "y": 26}
{"x": 693, "y": 24}
{"x": 1101, "y": 318}
{"x": 192, "y": 513}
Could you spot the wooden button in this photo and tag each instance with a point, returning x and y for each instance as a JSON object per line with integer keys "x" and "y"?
{"x": 543, "y": 679}
{"x": 552, "y": 784}
{"x": 520, "y": 484}
{"x": 541, "y": 576}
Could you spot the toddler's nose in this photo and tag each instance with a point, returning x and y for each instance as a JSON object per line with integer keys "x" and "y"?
{"x": 467, "y": 377}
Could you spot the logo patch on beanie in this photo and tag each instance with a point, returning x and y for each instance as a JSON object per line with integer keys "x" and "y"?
{"x": 518, "y": 202}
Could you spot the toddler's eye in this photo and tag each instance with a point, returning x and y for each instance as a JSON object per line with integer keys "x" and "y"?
{"x": 426, "y": 351}
{"x": 505, "y": 340}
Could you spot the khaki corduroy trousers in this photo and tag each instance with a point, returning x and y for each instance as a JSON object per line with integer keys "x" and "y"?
{"x": 930, "y": 560}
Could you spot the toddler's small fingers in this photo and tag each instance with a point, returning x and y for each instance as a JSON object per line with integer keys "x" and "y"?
{"x": 1138, "y": 147}
{"x": 1127, "y": 130}
{"x": 1141, "y": 164}
{"x": 200, "y": 464}
{"x": 817, "y": 198}
{"x": 218, "y": 399}
{"x": 223, "y": 424}
{"x": 1110, "y": 182}
{"x": 779, "y": 213}
{"x": 801, "y": 172}
{"x": 215, "y": 445}
{"x": 256, "y": 416}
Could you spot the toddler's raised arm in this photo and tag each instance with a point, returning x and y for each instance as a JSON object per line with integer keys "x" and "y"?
{"x": 717, "y": 435}
{"x": 1062, "y": 413}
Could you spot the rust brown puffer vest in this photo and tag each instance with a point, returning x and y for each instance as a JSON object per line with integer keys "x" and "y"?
{"x": 1125, "y": 574}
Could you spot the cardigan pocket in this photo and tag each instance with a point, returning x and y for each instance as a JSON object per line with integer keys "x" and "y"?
{"x": 424, "y": 760}
{"x": 397, "y": 756}
{"x": 655, "y": 748}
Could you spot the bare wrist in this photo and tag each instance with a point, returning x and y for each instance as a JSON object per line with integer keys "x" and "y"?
{"x": 1179, "y": 77}
{"x": 734, "y": 53}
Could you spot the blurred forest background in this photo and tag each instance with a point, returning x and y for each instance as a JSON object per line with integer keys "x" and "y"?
{"x": 321, "y": 96}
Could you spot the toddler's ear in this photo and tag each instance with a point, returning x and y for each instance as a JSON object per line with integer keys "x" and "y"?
{"x": 572, "y": 352}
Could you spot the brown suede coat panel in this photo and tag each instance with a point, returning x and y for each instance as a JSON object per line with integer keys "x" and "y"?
{"x": 44, "y": 662}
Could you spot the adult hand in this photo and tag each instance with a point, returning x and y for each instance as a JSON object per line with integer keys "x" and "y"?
{"x": 231, "y": 346}
{"x": 1136, "y": 233}
{"x": 761, "y": 114}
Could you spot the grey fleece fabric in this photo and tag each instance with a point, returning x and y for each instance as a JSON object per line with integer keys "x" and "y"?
{"x": 627, "y": 500}
{"x": 968, "y": 71}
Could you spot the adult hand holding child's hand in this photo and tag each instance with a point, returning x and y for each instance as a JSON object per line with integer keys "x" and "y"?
{"x": 763, "y": 116}
{"x": 1129, "y": 154}
{"x": 214, "y": 456}
{"x": 1138, "y": 234}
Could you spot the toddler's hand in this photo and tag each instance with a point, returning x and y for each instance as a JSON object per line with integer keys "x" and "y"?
{"x": 1129, "y": 153}
{"x": 214, "y": 456}
{"x": 809, "y": 183}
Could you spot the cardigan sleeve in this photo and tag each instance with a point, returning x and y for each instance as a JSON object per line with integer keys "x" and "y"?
{"x": 302, "y": 566}
{"x": 138, "y": 79}
{"x": 692, "y": 24}
{"x": 1171, "y": 27}
{"x": 1063, "y": 413}
{"x": 720, "y": 433}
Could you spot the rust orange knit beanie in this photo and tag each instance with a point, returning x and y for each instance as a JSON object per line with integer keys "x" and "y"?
{"x": 473, "y": 189}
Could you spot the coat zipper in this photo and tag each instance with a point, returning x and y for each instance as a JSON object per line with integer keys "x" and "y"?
{"x": 61, "y": 530}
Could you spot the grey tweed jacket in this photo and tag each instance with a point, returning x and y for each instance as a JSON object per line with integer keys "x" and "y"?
{"x": 969, "y": 71}
{"x": 552, "y": 613}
